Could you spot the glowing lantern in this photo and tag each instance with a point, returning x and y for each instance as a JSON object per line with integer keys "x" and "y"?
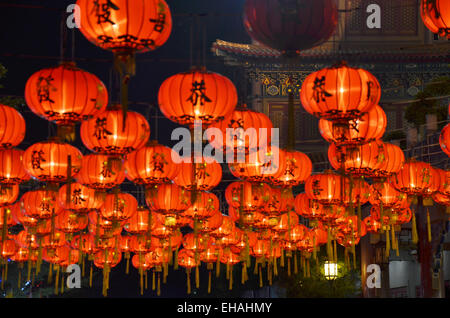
{"x": 12, "y": 170}
{"x": 12, "y": 127}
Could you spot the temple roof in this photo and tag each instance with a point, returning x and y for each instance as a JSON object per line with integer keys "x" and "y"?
{"x": 237, "y": 52}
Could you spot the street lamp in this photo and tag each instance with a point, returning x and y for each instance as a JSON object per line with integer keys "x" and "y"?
{"x": 331, "y": 270}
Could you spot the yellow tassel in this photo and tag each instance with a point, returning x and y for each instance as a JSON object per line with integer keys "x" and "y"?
{"x": 282, "y": 259}
{"x": 255, "y": 269}
{"x": 141, "y": 279}
{"x": 308, "y": 273}
{"x": 50, "y": 272}
{"x": 127, "y": 269}
{"x": 269, "y": 274}
{"x": 158, "y": 291}
{"x": 415, "y": 237}
{"x": 260, "y": 277}
{"x": 295, "y": 263}
{"x": 56, "y": 279}
{"x": 228, "y": 272}
{"x": 359, "y": 218}
{"x": 165, "y": 272}
{"x": 209, "y": 282}
{"x": 329, "y": 250}
{"x": 388, "y": 245}
{"x": 19, "y": 279}
{"x": 314, "y": 248}
{"x": 83, "y": 265}
{"x": 275, "y": 267}
{"x": 90, "y": 276}
{"x": 230, "y": 286}
{"x": 218, "y": 267}
{"x": 153, "y": 281}
{"x": 197, "y": 277}
{"x": 146, "y": 280}
{"x": 429, "y": 226}
{"x": 188, "y": 281}
{"x": 62, "y": 282}
{"x": 175, "y": 262}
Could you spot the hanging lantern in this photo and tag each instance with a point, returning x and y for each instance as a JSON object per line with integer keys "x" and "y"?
{"x": 110, "y": 132}
{"x": 7, "y": 215}
{"x": 362, "y": 160}
{"x": 197, "y": 95}
{"x": 139, "y": 222}
{"x": 393, "y": 160}
{"x": 49, "y": 160}
{"x": 12, "y": 127}
{"x": 370, "y": 127}
{"x": 151, "y": 164}
{"x": 203, "y": 174}
{"x": 167, "y": 198}
{"x": 119, "y": 206}
{"x": 208, "y": 225}
{"x": 325, "y": 188}
{"x": 280, "y": 201}
{"x": 242, "y": 131}
{"x": 308, "y": 208}
{"x": 436, "y": 16}
{"x": 260, "y": 166}
{"x": 290, "y": 26}
{"x": 444, "y": 139}
{"x": 385, "y": 194}
{"x": 226, "y": 228}
{"x": 80, "y": 199}
{"x": 100, "y": 172}
{"x": 65, "y": 95}
{"x": 204, "y": 206}
{"x": 356, "y": 192}
{"x": 70, "y": 222}
{"x": 340, "y": 92}
{"x": 8, "y": 194}
{"x": 297, "y": 169}
{"x": 12, "y": 170}
{"x": 125, "y": 27}
{"x": 40, "y": 204}
{"x": 444, "y": 177}
{"x": 246, "y": 195}
{"x": 416, "y": 178}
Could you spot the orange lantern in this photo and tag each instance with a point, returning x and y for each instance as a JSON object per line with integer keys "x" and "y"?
{"x": 8, "y": 194}
{"x": 385, "y": 194}
{"x": 12, "y": 127}
{"x": 197, "y": 95}
{"x": 372, "y": 224}
{"x": 107, "y": 257}
{"x": 80, "y": 199}
{"x": 358, "y": 160}
{"x": 417, "y": 178}
{"x": 241, "y": 131}
{"x": 340, "y": 92}
{"x": 110, "y": 132}
{"x": 7, "y": 215}
{"x": 249, "y": 196}
{"x": 325, "y": 188}
{"x": 436, "y": 16}
{"x": 297, "y": 169}
{"x": 371, "y": 126}
{"x": 308, "y": 208}
{"x": 11, "y": 166}
{"x": 167, "y": 198}
{"x": 356, "y": 192}
{"x": 70, "y": 222}
{"x": 65, "y": 94}
{"x": 8, "y": 248}
{"x": 40, "y": 204}
{"x": 444, "y": 177}
{"x": 260, "y": 166}
{"x": 394, "y": 158}
{"x": 124, "y": 26}
{"x": 204, "y": 206}
{"x": 204, "y": 174}
{"x": 151, "y": 164}
{"x": 100, "y": 172}
{"x": 226, "y": 228}
{"x": 280, "y": 201}
{"x": 444, "y": 139}
{"x": 119, "y": 206}
{"x": 52, "y": 241}
{"x": 49, "y": 160}
{"x": 138, "y": 223}
{"x": 208, "y": 225}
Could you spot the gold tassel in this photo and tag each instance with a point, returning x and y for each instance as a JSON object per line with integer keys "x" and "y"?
{"x": 153, "y": 281}
{"x": 141, "y": 279}
{"x": 83, "y": 261}
{"x": 228, "y": 271}
{"x": 197, "y": 277}
{"x": 329, "y": 250}
{"x": 282, "y": 259}
{"x": 314, "y": 248}
{"x": 62, "y": 281}
{"x": 90, "y": 276}
{"x": 388, "y": 245}
{"x": 218, "y": 267}
{"x": 359, "y": 218}
{"x": 175, "y": 262}
{"x": 289, "y": 266}
{"x": 295, "y": 263}
{"x": 230, "y": 286}
{"x": 415, "y": 237}
{"x": 308, "y": 273}
{"x": 255, "y": 269}
{"x": 260, "y": 277}
{"x": 158, "y": 291}
{"x": 127, "y": 269}
{"x": 50, "y": 272}
{"x": 188, "y": 281}
{"x": 429, "y": 226}
{"x": 335, "y": 257}
{"x": 269, "y": 274}
{"x": 56, "y": 279}
{"x": 19, "y": 278}
{"x": 209, "y": 282}
{"x": 275, "y": 267}
{"x": 146, "y": 280}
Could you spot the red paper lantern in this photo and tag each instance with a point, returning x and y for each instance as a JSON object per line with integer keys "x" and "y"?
{"x": 12, "y": 127}
{"x": 203, "y": 174}
{"x": 444, "y": 139}
{"x": 168, "y": 198}
{"x": 385, "y": 194}
{"x": 290, "y": 26}
{"x": 100, "y": 172}
{"x": 49, "y": 160}
{"x": 119, "y": 206}
{"x": 110, "y": 133}
{"x": 81, "y": 198}
{"x": 242, "y": 131}
{"x": 40, "y": 204}
{"x": 70, "y": 222}
{"x": 371, "y": 126}
{"x": 65, "y": 94}
{"x": 340, "y": 92}
{"x": 417, "y": 178}
{"x": 325, "y": 188}
{"x": 12, "y": 170}
{"x": 394, "y": 158}
{"x": 249, "y": 196}
{"x": 151, "y": 164}
{"x": 124, "y": 25}
{"x": 436, "y": 16}
{"x": 197, "y": 95}
{"x": 203, "y": 207}
{"x": 308, "y": 208}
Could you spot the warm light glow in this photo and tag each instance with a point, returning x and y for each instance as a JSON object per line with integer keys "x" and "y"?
{"x": 331, "y": 270}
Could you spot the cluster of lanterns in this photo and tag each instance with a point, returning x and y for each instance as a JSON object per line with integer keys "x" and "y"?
{"x": 80, "y": 214}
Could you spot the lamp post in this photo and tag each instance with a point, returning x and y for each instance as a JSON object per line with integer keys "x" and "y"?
{"x": 331, "y": 270}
